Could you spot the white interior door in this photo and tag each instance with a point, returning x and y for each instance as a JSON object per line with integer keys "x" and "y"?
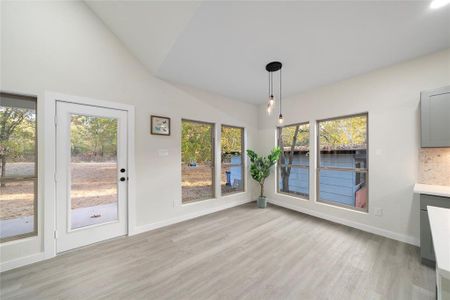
{"x": 91, "y": 174}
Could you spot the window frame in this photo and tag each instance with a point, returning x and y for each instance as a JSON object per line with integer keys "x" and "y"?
{"x": 213, "y": 160}
{"x": 360, "y": 170}
{"x": 34, "y": 179}
{"x": 308, "y": 167}
{"x": 242, "y": 164}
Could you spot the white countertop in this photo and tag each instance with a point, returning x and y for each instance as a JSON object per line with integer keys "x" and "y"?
{"x": 435, "y": 190}
{"x": 440, "y": 231}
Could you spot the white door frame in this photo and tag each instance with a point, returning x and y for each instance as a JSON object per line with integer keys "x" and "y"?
{"x": 50, "y": 164}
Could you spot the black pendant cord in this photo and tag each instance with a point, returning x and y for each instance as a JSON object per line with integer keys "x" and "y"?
{"x": 271, "y": 84}
{"x": 280, "y": 95}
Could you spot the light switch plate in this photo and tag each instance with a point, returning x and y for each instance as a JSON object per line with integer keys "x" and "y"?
{"x": 163, "y": 152}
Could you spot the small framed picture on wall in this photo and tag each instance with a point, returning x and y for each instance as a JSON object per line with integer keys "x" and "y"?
{"x": 159, "y": 125}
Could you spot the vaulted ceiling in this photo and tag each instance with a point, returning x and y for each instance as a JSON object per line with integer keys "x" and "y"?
{"x": 223, "y": 46}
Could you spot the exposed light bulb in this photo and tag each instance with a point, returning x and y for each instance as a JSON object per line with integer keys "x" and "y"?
{"x": 271, "y": 100}
{"x": 439, "y": 3}
{"x": 280, "y": 119}
{"x": 269, "y": 109}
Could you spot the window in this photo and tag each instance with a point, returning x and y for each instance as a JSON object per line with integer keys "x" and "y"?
{"x": 232, "y": 159}
{"x": 342, "y": 161}
{"x": 293, "y": 166}
{"x": 18, "y": 156}
{"x": 197, "y": 161}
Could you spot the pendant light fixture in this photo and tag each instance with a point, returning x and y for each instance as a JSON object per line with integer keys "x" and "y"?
{"x": 271, "y": 68}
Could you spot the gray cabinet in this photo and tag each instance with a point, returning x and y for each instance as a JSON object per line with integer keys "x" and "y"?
{"x": 435, "y": 117}
{"x": 426, "y": 242}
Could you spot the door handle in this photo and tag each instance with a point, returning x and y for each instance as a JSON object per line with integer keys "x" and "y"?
{"x": 122, "y": 178}
{"x": 122, "y": 170}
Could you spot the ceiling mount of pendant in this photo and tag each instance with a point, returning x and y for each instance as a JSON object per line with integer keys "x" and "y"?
{"x": 273, "y": 66}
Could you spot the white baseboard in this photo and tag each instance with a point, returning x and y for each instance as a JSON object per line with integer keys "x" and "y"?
{"x": 378, "y": 231}
{"x": 20, "y": 262}
{"x": 163, "y": 223}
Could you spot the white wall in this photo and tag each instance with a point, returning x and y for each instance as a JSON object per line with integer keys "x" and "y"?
{"x": 63, "y": 47}
{"x": 391, "y": 97}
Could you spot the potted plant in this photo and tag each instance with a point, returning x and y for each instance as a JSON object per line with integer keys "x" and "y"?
{"x": 260, "y": 170}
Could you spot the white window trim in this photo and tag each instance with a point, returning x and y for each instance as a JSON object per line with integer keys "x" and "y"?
{"x": 316, "y": 166}
{"x": 311, "y": 195}
{"x": 214, "y": 144}
{"x": 217, "y": 143}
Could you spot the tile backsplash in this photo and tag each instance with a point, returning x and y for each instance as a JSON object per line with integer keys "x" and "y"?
{"x": 434, "y": 166}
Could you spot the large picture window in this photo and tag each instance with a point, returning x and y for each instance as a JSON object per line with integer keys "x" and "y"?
{"x": 342, "y": 161}
{"x": 18, "y": 156}
{"x": 197, "y": 161}
{"x": 232, "y": 159}
{"x": 293, "y": 166}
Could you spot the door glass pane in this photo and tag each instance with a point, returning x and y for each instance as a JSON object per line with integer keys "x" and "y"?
{"x": 17, "y": 208}
{"x": 197, "y": 165}
{"x": 93, "y": 170}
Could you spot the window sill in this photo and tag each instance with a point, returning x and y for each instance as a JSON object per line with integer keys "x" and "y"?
{"x": 342, "y": 207}
{"x": 197, "y": 202}
{"x": 233, "y": 194}
{"x": 291, "y": 196}
{"x": 24, "y": 239}
{"x": 213, "y": 199}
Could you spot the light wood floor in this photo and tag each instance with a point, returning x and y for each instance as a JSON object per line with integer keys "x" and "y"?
{"x": 239, "y": 253}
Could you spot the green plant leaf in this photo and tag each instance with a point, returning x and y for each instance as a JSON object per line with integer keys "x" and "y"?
{"x": 260, "y": 165}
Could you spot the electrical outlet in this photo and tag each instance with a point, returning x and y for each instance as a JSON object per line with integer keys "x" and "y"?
{"x": 378, "y": 212}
